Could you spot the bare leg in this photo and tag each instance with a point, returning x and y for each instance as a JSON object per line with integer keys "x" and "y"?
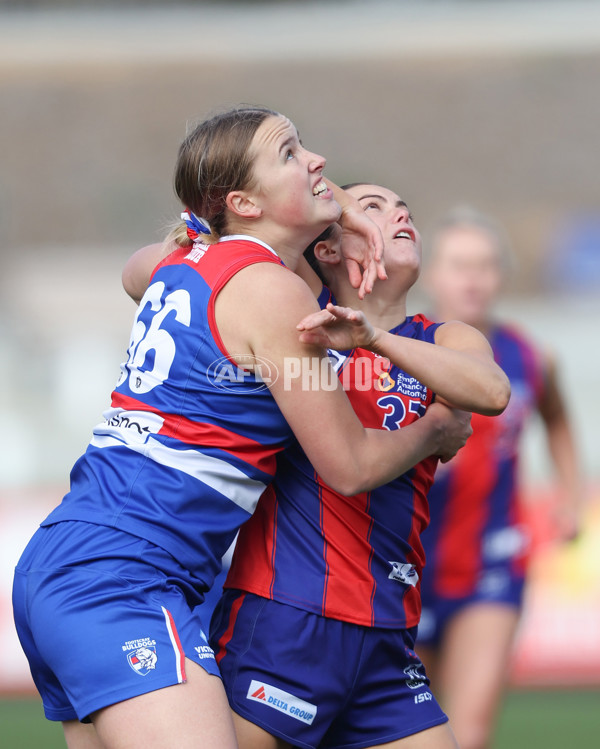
{"x": 81, "y": 735}
{"x": 438, "y": 737}
{"x": 193, "y": 715}
{"x": 251, "y": 736}
{"x": 473, "y": 670}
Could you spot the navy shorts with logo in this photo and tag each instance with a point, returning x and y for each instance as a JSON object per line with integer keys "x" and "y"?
{"x": 500, "y": 585}
{"x": 104, "y": 616}
{"x": 315, "y": 681}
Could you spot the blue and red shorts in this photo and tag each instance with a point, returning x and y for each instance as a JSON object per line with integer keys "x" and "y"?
{"x": 315, "y": 681}
{"x": 104, "y": 616}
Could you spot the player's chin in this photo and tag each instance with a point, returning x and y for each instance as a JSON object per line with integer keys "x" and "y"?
{"x": 330, "y": 208}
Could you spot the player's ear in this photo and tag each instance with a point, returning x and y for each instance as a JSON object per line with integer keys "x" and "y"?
{"x": 242, "y": 204}
{"x": 327, "y": 252}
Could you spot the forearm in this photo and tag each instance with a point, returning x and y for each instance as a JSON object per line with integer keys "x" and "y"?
{"x": 344, "y": 199}
{"x": 561, "y": 446}
{"x": 381, "y": 456}
{"x": 470, "y": 381}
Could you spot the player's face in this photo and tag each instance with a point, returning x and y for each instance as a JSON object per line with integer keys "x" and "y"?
{"x": 465, "y": 275}
{"x": 402, "y": 241}
{"x": 288, "y": 179}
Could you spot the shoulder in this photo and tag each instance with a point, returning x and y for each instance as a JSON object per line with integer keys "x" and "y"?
{"x": 274, "y": 282}
{"x": 457, "y": 334}
{"x": 267, "y": 300}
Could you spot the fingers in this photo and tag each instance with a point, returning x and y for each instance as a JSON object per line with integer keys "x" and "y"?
{"x": 345, "y": 313}
{"x": 377, "y": 254}
{"x": 355, "y": 275}
{"x": 314, "y": 337}
{"x": 376, "y": 242}
{"x": 331, "y": 314}
{"x": 567, "y": 523}
{"x": 316, "y": 319}
{"x": 369, "y": 277}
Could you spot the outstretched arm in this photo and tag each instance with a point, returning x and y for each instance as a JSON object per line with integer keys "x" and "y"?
{"x": 459, "y": 368}
{"x": 348, "y": 456}
{"x": 138, "y": 269}
{"x": 563, "y": 452}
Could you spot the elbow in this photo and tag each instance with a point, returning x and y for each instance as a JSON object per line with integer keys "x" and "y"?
{"x": 349, "y": 483}
{"x": 346, "y": 487}
{"x": 129, "y": 281}
{"x": 498, "y": 397}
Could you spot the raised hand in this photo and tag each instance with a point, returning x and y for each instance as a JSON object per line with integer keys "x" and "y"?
{"x": 338, "y": 328}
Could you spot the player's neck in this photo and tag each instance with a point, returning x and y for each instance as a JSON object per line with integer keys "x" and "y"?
{"x": 383, "y": 308}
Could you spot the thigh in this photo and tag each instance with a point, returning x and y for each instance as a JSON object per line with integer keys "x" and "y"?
{"x": 81, "y": 735}
{"x": 438, "y": 737}
{"x": 251, "y": 736}
{"x": 184, "y": 716}
{"x": 473, "y": 667}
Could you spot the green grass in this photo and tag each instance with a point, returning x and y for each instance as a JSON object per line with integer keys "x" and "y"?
{"x": 529, "y": 720}
{"x": 23, "y": 726}
{"x": 549, "y": 720}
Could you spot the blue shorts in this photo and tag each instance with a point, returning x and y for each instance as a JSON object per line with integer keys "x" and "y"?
{"x": 314, "y": 681}
{"x": 498, "y": 585}
{"x": 104, "y": 616}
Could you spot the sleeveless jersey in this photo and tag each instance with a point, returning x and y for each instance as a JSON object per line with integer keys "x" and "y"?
{"x": 357, "y": 559}
{"x": 190, "y": 441}
{"x": 473, "y": 501}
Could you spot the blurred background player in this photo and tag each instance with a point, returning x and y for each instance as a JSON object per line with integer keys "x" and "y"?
{"x": 476, "y": 548}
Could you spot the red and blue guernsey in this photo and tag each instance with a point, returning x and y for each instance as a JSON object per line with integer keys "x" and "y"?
{"x": 475, "y": 545}
{"x": 357, "y": 559}
{"x": 190, "y": 441}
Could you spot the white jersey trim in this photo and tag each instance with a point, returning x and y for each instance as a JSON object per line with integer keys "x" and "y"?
{"x": 214, "y": 472}
{"x": 247, "y": 238}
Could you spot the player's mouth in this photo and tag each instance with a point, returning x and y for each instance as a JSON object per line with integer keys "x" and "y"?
{"x": 404, "y": 234}
{"x": 320, "y": 189}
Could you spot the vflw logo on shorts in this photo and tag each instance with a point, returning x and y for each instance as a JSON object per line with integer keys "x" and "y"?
{"x": 285, "y": 702}
{"x": 141, "y": 655}
{"x": 414, "y": 678}
{"x": 404, "y": 573}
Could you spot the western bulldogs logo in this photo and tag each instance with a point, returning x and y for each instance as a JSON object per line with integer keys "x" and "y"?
{"x": 414, "y": 679}
{"x": 404, "y": 573}
{"x": 143, "y": 660}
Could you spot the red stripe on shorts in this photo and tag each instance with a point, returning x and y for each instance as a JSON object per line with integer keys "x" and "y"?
{"x": 228, "y": 634}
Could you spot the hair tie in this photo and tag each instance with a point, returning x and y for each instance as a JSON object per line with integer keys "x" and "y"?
{"x": 195, "y": 225}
